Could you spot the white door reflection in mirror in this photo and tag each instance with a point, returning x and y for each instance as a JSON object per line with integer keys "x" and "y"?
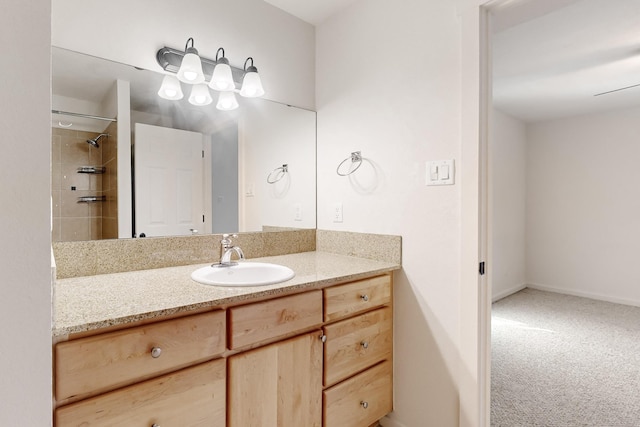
{"x": 168, "y": 180}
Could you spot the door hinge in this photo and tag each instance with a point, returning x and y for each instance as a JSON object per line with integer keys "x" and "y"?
{"x": 203, "y": 218}
{"x": 203, "y": 154}
{"x": 481, "y": 269}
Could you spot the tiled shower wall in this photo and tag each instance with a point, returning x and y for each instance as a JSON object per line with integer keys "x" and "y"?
{"x": 110, "y": 183}
{"x": 73, "y": 221}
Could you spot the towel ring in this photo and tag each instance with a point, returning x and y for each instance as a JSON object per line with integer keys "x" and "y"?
{"x": 356, "y": 157}
{"x": 277, "y": 174}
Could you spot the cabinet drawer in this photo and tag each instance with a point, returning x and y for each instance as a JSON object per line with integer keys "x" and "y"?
{"x": 357, "y": 343}
{"x": 191, "y": 397}
{"x": 263, "y": 321}
{"x": 360, "y": 401}
{"x": 344, "y": 300}
{"x": 107, "y": 361}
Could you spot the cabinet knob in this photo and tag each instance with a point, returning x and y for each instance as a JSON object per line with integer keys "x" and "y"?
{"x": 155, "y": 353}
{"x": 364, "y": 404}
{"x": 323, "y": 338}
{"x": 364, "y": 297}
{"x": 155, "y": 425}
{"x": 364, "y": 344}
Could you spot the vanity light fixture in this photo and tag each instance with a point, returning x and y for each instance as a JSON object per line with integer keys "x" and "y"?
{"x": 224, "y": 77}
{"x": 251, "y": 83}
{"x": 191, "y": 67}
{"x": 170, "y": 88}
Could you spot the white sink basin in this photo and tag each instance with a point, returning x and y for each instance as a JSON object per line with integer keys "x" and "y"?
{"x": 243, "y": 274}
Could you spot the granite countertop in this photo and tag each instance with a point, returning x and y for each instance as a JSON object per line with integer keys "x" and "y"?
{"x": 89, "y": 303}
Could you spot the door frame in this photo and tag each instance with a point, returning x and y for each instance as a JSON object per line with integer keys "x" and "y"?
{"x": 474, "y": 379}
{"x": 475, "y": 310}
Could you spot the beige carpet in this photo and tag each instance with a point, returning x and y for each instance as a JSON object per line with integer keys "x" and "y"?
{"x": 565, "y": 361}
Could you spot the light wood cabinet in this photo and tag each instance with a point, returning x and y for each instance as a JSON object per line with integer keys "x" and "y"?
{"x": 356, "y": 297}
{"x": 360, "y": 401}
{"x": 99, "y": 363}
{"x": 358, "y": 352}
{"x": 354, "y": 344}
{"x": 264, "y": 321}
{"x": 189, "y": 397}
{"x": 278, "y": 385}
{"x": 317, "y": 358}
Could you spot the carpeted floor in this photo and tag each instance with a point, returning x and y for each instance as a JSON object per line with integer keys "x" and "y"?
{"x": 565, "y": 361}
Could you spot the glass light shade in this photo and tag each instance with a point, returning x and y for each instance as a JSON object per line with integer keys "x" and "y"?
{"x": 170, "y": 88}
{"x": 222, "y": 78}
{"x": 200, "y": 95}
{"x": 227, "y": 101}
{"x": 251, "y": 85}
{"x": 191, "y": 69}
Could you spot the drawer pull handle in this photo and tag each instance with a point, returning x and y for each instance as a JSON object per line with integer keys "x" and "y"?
{"x": 364, "y": 344}
{"x": 364, "y": 404}
{"x": 155, "y": 353}
{"x": 323, "y": 338}
{"x": 364, "y": 297}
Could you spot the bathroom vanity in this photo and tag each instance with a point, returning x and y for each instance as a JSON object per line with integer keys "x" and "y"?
{"x": 313, "y": 351}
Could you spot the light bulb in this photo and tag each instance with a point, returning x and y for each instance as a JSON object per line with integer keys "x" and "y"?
{"x": 222, "y": 78}
{"x": 170, "y": 88}
{"x": 251, "y": 83}
{"x": 227, "y": 101}
{"x": 191, "y": 67}
{"x": 190, "y": 75}
{"x": 200, "y": 95}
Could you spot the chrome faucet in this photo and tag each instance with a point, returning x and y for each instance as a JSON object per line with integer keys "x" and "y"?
{"x": 227, "y": 249}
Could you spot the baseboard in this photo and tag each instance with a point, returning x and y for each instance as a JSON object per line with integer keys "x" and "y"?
{"x": 388, "y": 422}
{"x": 508, "y": 292}
{"x": 589, "y": 295}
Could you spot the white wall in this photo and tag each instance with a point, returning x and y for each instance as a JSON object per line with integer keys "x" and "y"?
{"x": 25, "y": 225}
{"x": 388, "y": 84}
{"x": 132, "y": 32}
{"x": 583, "y": 206}
{"x": 507, "y": 201}
{"x": 270, "y": 136}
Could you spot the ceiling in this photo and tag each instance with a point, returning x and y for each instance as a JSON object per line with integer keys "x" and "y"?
{"x": 549, "y": 60}
{"x": 312, "y": 11}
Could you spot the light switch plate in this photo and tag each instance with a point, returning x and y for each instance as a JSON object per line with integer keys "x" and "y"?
{"x": 440, "y": 172}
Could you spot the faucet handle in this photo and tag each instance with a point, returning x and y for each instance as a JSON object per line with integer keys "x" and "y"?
{"x": 226, "y": 239}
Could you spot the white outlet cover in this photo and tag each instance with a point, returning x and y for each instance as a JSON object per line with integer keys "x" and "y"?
{"x": 297, "y": 208}
{"x": 337, "y": 212}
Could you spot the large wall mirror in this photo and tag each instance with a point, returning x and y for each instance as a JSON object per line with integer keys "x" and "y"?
{"x": 127, "y": 163}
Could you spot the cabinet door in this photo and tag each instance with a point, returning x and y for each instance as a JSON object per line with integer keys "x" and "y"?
{"x": 279, "y": 385}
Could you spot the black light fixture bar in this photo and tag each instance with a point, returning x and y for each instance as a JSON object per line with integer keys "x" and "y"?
{"x": 170, "y": 59}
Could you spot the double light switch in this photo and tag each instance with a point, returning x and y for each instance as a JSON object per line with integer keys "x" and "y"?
{"x": 440, "y": 172}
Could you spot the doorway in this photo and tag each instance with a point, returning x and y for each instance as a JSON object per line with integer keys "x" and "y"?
{"x": 494, "y": 9}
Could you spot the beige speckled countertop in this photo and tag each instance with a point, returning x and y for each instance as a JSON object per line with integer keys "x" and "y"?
{"x": 89, "y": 303}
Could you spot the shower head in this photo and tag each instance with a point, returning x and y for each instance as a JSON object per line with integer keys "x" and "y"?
{"x": 94, "y": 141}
